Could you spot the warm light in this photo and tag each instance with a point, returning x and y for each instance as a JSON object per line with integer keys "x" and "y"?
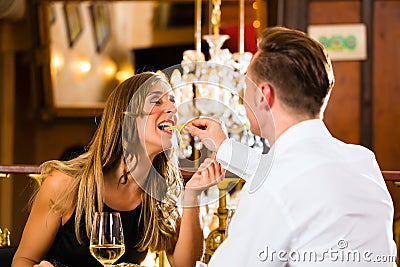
{"x": 85, "y": 66}
{"x": 81, "y": 67}
{"x": 255, "y": 5}
{"x": 124, "y": 73}
{"x": 57, "y": 61}
{"x": 256, "y": 24}
{"x": 108, "y": 68}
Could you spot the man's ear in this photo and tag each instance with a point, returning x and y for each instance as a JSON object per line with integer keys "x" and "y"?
{"x": 267, "y": 97}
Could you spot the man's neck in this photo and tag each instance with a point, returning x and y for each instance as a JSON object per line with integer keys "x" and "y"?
{"x": 284, "y": 120}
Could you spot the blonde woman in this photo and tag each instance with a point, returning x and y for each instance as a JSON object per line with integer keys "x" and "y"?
{"x": 129, "y": 167}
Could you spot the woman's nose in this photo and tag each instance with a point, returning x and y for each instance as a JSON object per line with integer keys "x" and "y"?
{"x": 171, "y": 107}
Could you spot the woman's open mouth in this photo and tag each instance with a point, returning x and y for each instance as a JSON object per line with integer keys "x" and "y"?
{"x": 166, "y": 123}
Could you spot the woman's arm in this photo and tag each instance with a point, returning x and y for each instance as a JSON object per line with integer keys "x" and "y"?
{"x": 190, "y": 243}
{"x": 42, "y": 224}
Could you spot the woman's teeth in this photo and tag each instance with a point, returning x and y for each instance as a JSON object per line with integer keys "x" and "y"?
{"x": 164, "y": 125}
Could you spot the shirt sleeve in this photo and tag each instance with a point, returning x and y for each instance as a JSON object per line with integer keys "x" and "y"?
{"x": 238, "y": 158}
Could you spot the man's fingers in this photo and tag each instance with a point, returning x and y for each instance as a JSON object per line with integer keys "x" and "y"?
{"x": 203, "y": 123}
{"x": 200, "y": 122}
{"x": 193, "y": 130}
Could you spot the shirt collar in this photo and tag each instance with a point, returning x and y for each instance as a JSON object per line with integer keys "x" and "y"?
{"x": 300, "y": 131}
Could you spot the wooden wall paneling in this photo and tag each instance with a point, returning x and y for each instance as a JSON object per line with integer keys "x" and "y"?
{"x": 53, "y": 138}
{"x": 24, "y": 143}
{"x": 280, "y": 11}
{"x": 366, "y": 77}
{"x": 340, "y": 11}
{"x": 342, "y": 115}
{"x": 386, "y": 83}
{"x": 272, "y": 12}
{"x": 7, "y": 81}
{"x": 293, "y": 14}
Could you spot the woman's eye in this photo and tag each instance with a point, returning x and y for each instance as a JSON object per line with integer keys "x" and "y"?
{"x": 156, "y": 101}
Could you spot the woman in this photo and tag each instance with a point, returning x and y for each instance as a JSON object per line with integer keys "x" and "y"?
{"x": 124, "y": 170}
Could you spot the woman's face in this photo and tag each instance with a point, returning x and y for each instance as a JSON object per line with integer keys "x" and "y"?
{"x": 160, "y": 107}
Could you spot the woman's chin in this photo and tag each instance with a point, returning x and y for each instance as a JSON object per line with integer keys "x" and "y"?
{"x": 166, "y": 144}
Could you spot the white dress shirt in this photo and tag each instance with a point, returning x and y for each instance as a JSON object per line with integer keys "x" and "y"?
{"x": 311, "y": 201}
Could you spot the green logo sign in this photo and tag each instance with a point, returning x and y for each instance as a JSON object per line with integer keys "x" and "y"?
{"x": 338, "y": 42}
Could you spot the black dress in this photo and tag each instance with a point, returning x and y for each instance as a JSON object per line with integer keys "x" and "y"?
{"x": 66, "y": 251}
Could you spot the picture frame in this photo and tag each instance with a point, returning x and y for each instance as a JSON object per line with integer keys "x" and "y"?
{"x": 342, "y": 41}
{"x": 101, "y": 24}
{"x": 73, "y": 22}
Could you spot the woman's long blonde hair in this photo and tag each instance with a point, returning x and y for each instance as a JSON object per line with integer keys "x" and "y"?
{"x": 116, "y": 134}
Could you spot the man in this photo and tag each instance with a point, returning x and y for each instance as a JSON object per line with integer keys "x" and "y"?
{"x": 312, "y": 200}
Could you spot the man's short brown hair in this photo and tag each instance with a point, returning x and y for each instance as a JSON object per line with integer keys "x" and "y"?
{"x": 296, "y": 66}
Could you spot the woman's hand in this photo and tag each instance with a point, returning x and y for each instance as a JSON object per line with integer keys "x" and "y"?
{"x": 190, "y": 244}
{"x": 44, "y": 264}
{"x": 208, "y": 174}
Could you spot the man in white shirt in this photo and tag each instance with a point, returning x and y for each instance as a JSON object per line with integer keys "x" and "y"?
{"x": 312, "y": 200}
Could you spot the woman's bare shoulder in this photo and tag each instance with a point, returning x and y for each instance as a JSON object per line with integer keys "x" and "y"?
{"x": 56, "y": 181}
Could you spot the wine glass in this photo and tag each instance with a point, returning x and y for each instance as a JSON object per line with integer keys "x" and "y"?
{"x": 107, "y": 238}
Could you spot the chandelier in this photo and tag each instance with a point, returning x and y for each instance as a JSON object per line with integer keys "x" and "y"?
{"x": 213, "y": 87}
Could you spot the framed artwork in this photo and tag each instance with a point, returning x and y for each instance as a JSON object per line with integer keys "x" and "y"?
{"x": 342, "y": 41}
{"x": 101, "y": 24}
{"x": 73, "y": 22}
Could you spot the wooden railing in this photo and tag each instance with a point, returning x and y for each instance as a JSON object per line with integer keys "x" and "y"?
{"x": 392, "y": 176}
{"x": 6, "y": 170}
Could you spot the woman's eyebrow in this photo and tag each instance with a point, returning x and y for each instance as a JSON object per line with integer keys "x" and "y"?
{"x": 160, "y": 93}
{"x": 156, "y": 93}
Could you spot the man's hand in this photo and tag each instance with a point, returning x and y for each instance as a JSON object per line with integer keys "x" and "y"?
{"x": 209, "y": 131}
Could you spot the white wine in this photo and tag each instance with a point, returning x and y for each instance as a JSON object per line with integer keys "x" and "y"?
{"x": 107, "y": 254}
